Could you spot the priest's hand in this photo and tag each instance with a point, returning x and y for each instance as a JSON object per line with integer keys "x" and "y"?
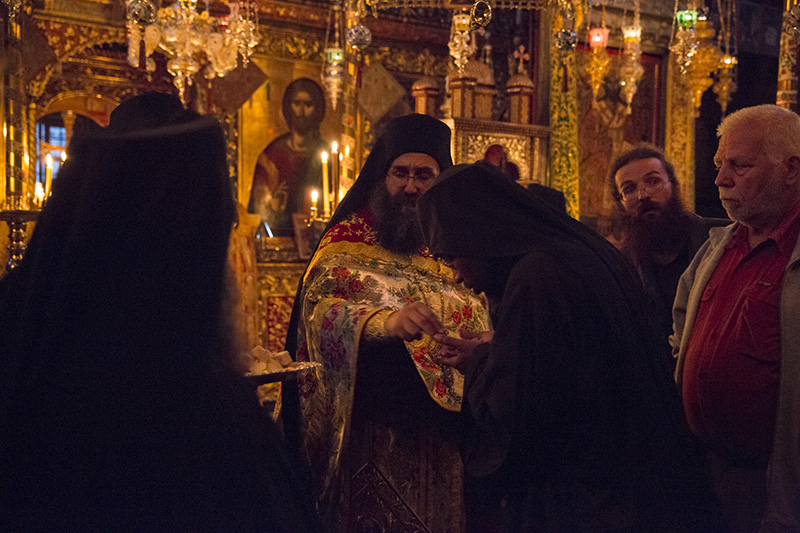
{"x": 410, "y": 322}
{"x": 457, "y": 352}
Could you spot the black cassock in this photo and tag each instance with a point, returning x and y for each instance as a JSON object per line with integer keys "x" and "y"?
{"x": 575, "y": 422}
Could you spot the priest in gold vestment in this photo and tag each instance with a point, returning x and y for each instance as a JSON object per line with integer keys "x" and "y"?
{"x": 379, "y": 424}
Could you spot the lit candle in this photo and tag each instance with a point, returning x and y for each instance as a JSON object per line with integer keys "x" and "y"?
{"x": 63, "y": 156}
{"x": 48, "y": 175}
{"x": 339, "y": 192}
{"x": 314, "y": 196}
{"x": 347, "y": 161}
{"x": 326, "y": 209}
{"x": 39, "y": 193}
{"x": 335, "y": 158}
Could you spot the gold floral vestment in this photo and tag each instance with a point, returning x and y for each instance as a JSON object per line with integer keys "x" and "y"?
{"x": 351, "y": 285}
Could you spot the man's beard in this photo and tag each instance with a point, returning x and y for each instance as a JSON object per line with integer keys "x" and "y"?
{"x": 304, "y": 125}
{"x": 396, "y": 221}
{"x": 655, "y": 230}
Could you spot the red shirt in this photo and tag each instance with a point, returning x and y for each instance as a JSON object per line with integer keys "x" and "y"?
{"x": 732, "y": 366}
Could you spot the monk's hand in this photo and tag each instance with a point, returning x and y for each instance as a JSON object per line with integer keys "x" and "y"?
{"x": 457, "y": 352}
{"x": 410, "y": 322}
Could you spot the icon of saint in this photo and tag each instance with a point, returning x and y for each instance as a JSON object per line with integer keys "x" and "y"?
{"x": 290, "y": 166}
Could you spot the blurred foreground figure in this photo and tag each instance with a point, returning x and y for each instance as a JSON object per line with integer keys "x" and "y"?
{"x": 575, "y": 422}
{"x": 122, "y": 405}
{"x": 737, "y": 325}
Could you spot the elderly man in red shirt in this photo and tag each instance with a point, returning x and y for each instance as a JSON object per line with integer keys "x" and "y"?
{"x": 737, "y": 325}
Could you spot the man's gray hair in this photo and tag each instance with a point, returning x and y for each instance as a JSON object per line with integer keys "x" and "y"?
{"x": 780, "y": 128}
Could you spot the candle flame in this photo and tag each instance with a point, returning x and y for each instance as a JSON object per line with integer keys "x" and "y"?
{"x": 334, "y": 147}
{"x": 49, "y": 161}
{"x": 324, "y": 157}
{"x": 64, "y": 155}
{"x": 314, "y": 195}
{"x": 347, "y": 150}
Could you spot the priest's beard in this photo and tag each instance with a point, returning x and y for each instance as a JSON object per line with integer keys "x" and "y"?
{"x": 655, "y": 231}
{"x": 396, "y": 221}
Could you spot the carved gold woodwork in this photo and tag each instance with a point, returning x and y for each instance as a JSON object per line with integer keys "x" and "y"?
{"x": 87, "y": 103}
{"x": 303, "y": 47}
{"x": 68, "y": 39}
{"x": 462, "y": 97}
{"x": 410, "y": 62}
{"x": 679, "y": 134}
{"x": 526, "y": 145}
{"x": 277, "y": 283}
{"x": 787, "y": 65}
{"x": 521, "y": 91}
{"x": 425, "y": 92}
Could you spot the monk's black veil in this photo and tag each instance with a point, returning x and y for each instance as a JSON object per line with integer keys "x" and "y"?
{"x": 121, "y": 403}
{"x": 472, "y": 211}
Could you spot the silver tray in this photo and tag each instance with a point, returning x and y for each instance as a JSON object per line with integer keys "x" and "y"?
{"x": 297, "y": 368}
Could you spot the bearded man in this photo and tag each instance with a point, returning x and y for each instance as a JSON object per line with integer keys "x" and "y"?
{"x": 379, "y": 426}
{"x": 661, "y": 237}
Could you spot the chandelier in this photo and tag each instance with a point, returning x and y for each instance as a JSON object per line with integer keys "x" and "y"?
{"x": 725, "y": 83}
{"x": 704, "y": 62}
{"x": 704, "y": 57}
{"x": 684, "y": 43}
{"x": 631, "y": 70}
{"x": 461, "y": 46}
{"x": 333, "y": 69}
{"x": 598, "y": 64}
{"x": 191, "y": 38}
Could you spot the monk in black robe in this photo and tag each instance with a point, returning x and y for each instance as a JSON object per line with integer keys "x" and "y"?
{"x": 122, "y": 406}
{"x": 575, "y": 423}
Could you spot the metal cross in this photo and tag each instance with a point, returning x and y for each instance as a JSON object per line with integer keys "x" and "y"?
{"x": 520, "y": 54}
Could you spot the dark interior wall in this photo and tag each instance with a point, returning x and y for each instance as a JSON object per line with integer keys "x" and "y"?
{"x": 757, "y": 83}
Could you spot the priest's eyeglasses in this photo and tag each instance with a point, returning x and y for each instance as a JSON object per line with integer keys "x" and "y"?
{"x": 652, "y": 185}
{"x": 418, "y": 174}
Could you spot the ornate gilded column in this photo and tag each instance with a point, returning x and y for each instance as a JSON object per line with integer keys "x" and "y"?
{"x": 679, "y": 134}
{"x": 564, "y": 160}
{"x": 425, "y": 92}
{"x": 787, "y": 60}
{"x": 462, "y": 96}
{"x": 68, "y": 117}
{"x": 521, "y": 92}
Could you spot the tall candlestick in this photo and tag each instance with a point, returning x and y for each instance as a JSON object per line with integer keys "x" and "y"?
{"x": 11, "y": 176}
{"x": 335, "y": 155}
{"x": 326, "y": 209}
{"x": 347, "y": 161}
{"x": 338, "y": 182}
{"x": 48, "y": 175}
